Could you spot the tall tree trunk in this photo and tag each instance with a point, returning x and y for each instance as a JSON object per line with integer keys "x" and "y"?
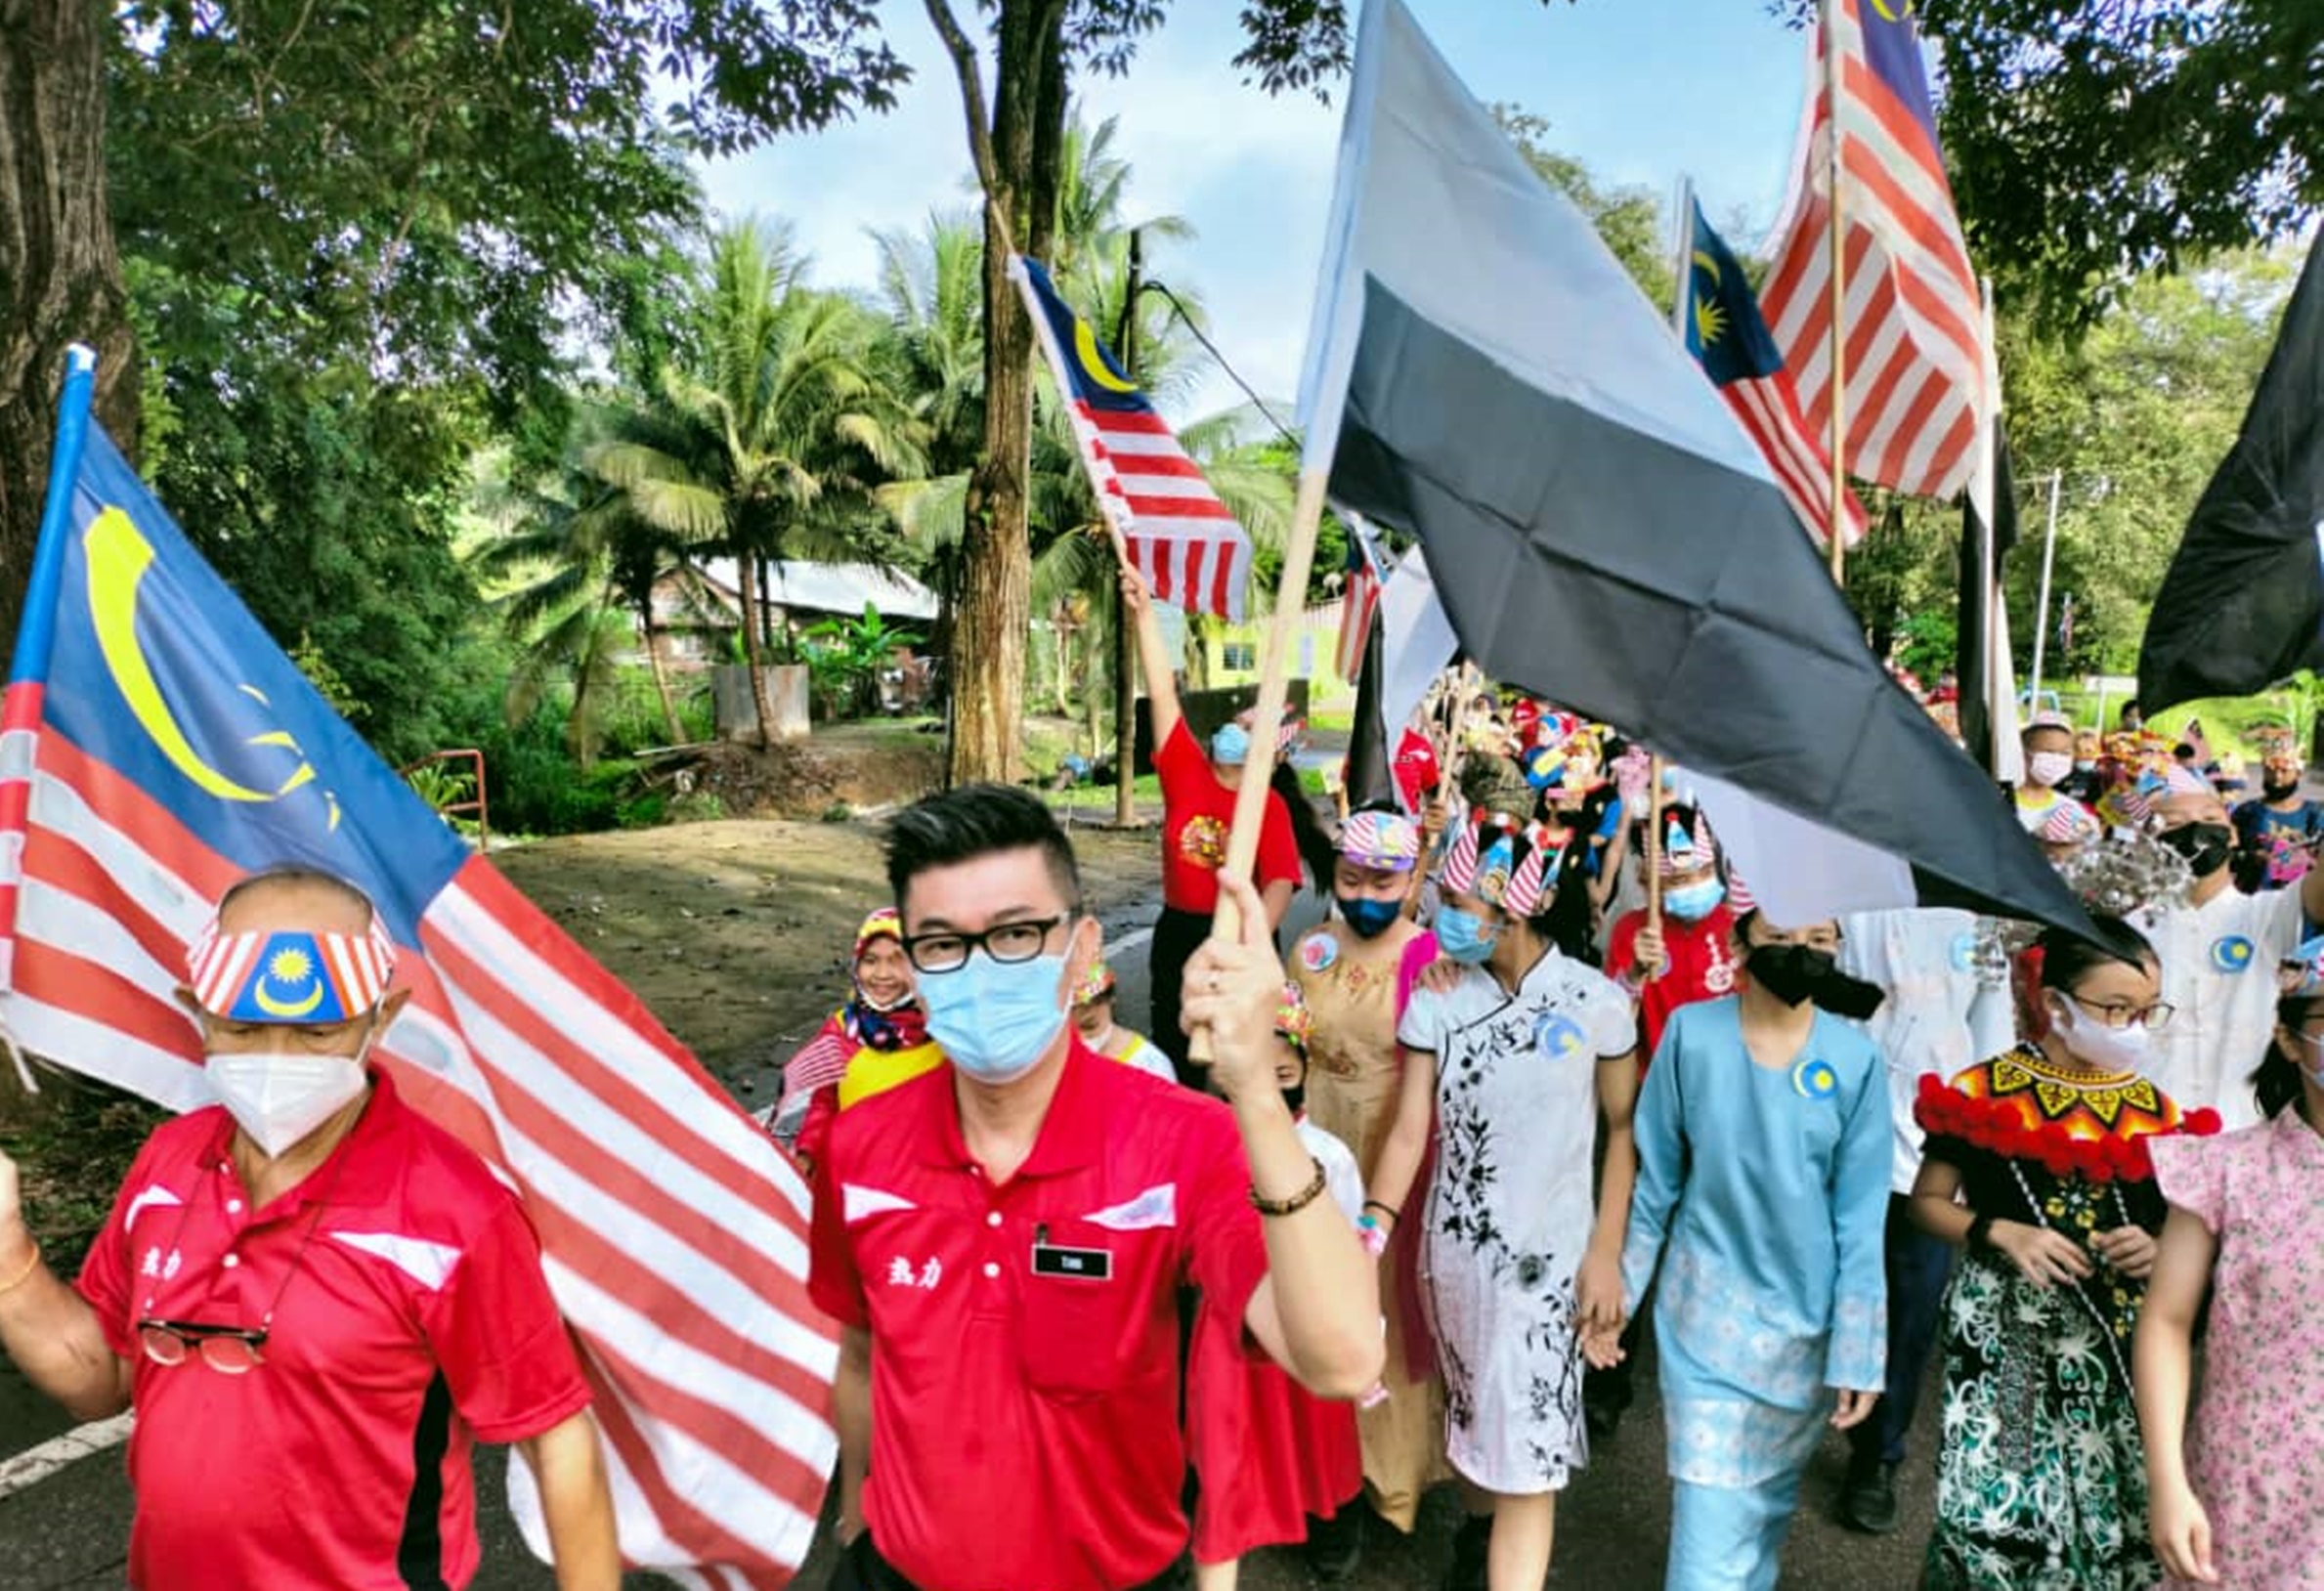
{"x": 59, "y": 276}
{"x": 753, "y": 651}
{"x": 1016, "y": 154}
{"x": 661, "y": 667}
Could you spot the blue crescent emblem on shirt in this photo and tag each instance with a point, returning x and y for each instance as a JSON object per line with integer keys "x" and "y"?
{"x": 1815, "y": 1079}
{"x": 1318, "y": 951}
{"x": 1963, "y": 952}
{"x": 1557, "y": 1036}
{"x": 2231, "y": 954}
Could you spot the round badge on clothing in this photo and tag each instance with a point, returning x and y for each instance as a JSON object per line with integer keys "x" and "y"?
{"x": 2231, "y": 954}
{"x": 1963, "y": 952}
{"x": 1557, "y": 1036}
{"x": 1319, "y": 950}
{"x": 1815, "y": 1079}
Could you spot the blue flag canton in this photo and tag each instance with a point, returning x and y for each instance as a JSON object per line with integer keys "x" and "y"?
{"x": 1089, "y": 365}
{"x": 1892, "y": 46}
{"x": 159, "y": 672}
{"x": 1725, "y": 331}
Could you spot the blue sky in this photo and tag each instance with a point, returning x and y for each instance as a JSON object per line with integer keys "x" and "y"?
{"x": 1639, "y": 90}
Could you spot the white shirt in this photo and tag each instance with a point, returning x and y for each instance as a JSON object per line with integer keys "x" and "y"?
{"x": 1341, "y": 1179}
{"x": 2219, "y": 970}
{"x": 1940, "y": 1016}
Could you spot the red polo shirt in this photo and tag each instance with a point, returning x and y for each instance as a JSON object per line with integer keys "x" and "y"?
{"x": 416, "y": 1318}
{"x": 1198, "y": 811}
{"x": 1025, "y": 1337}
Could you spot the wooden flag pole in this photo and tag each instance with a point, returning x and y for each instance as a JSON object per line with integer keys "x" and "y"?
{"x": 1651, "y": 860}
{"x": 1266, "y": 716}
{"x": 1839, "y": 299}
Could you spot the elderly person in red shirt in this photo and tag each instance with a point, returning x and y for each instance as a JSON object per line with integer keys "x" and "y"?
{"x": 1002, "y": 1238}
{"x": 313, "y": 1298}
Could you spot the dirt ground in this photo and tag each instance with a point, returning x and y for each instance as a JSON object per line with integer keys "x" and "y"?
{"x": 736, "y": 932}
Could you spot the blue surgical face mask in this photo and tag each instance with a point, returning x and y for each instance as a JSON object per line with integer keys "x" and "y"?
{"x": 1692, "y": 902}
{"x": 996, "y": 1020}
{"x": 1230, "y": 747}
{"x": 1369, "y": 918}
{"x": 1461, "y": 936}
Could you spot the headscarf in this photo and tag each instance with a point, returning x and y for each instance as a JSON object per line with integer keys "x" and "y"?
{"x": 906, "y": 1025}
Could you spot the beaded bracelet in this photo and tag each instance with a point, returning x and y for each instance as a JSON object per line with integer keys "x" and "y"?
{"x": 1297, "y": 1202}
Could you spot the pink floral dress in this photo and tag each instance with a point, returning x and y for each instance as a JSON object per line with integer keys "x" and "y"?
{"x": 2256, "y": 1449}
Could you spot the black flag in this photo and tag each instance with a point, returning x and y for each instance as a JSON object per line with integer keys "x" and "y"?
{"x": 1973, "y": 667}
{"x": 1483, "y": 374}
{"x": 1367, "y": 771}
{"x": 2243, "y": 605}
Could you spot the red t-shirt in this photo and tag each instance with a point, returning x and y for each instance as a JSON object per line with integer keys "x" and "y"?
{"x": 1416, "y": 772}
{"x": 416, "y": 1318}
{"x": 1025, "y": 1337}
{"x": 1197, "y": 812}
{"x": 1700, "y": 966}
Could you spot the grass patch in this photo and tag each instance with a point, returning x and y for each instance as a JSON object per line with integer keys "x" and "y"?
{"x": 1145, "y": 789}
{"x": 1341, "y": 718}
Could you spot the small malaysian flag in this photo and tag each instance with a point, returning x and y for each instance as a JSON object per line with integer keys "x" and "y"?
{"x": 1182, "y": 539}
{"x": 1359, "y": 602}
{"x": 1915, "y": 363}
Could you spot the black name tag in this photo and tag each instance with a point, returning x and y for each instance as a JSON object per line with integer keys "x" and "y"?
{"x": 1087, "y": 1264}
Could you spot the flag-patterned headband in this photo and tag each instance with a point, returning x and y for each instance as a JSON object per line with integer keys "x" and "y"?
{"x": 1501, "y": 862}
{"x": 1095, "y": 984}
{"x": 1684, "y": 851}
{"x": 2069, "y": 824}
{"x": 1388, "y": 840}
{"x": 2300, "y": 976}
{"x": 291, "y": 974}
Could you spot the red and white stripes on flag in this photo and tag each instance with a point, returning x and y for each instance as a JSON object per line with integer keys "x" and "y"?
{"x": 1180, "y": 537}
{"x": 1359, "y": 603}
{"x": 1915, "y": 381}
{"x": 1769, "y": 409}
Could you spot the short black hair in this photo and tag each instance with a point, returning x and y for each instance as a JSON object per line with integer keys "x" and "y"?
{"x": 973, "y": 821}
{"x": 2067, "y": 958}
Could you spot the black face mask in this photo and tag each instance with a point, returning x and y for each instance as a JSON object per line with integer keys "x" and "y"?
{"x": 1295, "y": 1098}
{"x": 2277, "y": 793}
{"x": 2203, "y": 845}
{"x": 1795, "y": 973}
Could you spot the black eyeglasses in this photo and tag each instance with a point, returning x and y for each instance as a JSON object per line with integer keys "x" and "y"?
{"x": 2154, "y": 1018}
{"x": 1006, "y": 942}
{"x": 228, "y": 1350}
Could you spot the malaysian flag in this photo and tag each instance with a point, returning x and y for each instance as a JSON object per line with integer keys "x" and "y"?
{"x": 1359, "y": 601}
{"x": 155, "y": 747}
{"x": 1723, "y": 329}
{"x": 1915, "y": 378}
{"x": 1180, "y": 537}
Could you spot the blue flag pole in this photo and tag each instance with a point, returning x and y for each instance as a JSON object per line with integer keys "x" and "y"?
{"x": 38, "y": 625}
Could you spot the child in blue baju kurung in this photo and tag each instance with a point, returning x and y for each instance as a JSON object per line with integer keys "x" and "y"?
{"x": 1762, "y": 1190}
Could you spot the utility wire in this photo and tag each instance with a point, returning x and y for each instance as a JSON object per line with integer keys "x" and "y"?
{"x": 1211, "y": 348}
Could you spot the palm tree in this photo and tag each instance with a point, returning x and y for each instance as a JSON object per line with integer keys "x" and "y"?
{"x": 773, "y": 445}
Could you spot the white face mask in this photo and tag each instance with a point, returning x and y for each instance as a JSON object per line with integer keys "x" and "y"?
{"x": 2046, "y": 768}
{"x": 279, "y": 1100}
{"x": 2094, "y": 1044}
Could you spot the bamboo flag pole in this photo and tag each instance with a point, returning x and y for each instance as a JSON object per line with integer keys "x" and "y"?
{"x": 1266, "y": 716}
{"x": 1839, "y": 298}
{"x": 1652, "y": 859}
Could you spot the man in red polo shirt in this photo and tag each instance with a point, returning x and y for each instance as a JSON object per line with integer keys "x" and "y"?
{"x": 1004, "y": 1237}
{"x": 313, "y": 1297}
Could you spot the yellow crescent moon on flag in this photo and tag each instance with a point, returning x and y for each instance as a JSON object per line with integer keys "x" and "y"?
{"x": 1895, "y": 12}
{"x": 277, "y": 1007}
{"x": 1707, "y": 266}
{"x": 119, "y": 557}
{"x": 1093, "y": 363}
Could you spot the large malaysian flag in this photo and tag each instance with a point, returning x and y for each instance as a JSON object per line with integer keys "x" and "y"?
{"x": 1914, "y": 369}
{"x": 1180, "y": 536}
{"x": 155, "y": 745}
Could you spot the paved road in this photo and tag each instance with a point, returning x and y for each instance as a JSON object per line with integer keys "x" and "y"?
{"x": 69, "y": 1529}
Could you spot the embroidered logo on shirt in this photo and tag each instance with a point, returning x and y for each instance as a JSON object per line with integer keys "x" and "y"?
{"x": 155, "y": 1264}
{"x": 428, "y": 1263}
{"x": 1157, "y": 1205}
{"x": 1318, "y": 951}
{"x": 1557, "y": 1036}
{"x": 2231, "y": 954}
{"x": 1963, "y": 952}
{"x": 902, "y": 1273}
{"x": 153, "y": 1195}
{"x": 1203, "y": 842}
{"x": 1815, "y": 1079}
{"x": 859, "y": 1203}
